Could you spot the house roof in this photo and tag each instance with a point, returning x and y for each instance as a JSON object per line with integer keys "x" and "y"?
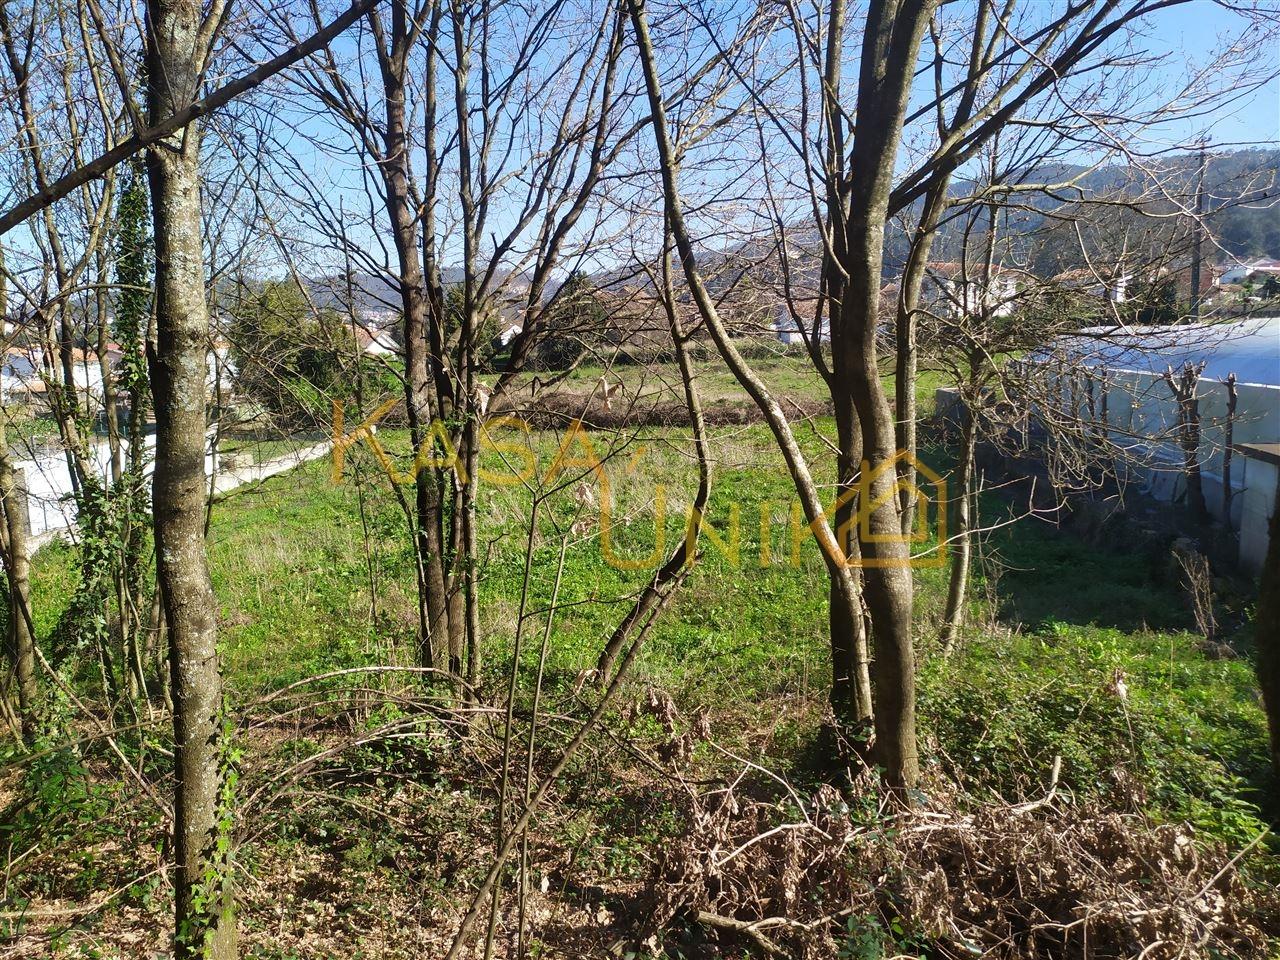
{"x": 1091, "y": 275}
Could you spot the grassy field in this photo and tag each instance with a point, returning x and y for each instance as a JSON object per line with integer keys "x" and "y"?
{"x": 787, "y": 372}
{"x": 746, "y": 634}
{"x": 1073, "y": 651}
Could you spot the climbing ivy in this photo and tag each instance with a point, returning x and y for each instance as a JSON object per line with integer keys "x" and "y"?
{"x": 134, "y": 274}
{"x": 111, "y": 515}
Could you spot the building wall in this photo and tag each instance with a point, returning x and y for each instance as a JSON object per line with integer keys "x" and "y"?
{"x": 50, "y": 506}
{"x": 1256, "y": 505}
{"x": 1144, "y": 418}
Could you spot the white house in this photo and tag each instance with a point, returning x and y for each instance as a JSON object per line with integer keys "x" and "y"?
{"x": 787, "y": 329}
{"x": 1111, "y": 285}
{"x": 21, "y": 373}
{"x": 374, "y": 341}
{"x": 510, "y": 329}
{"x": 956, "y": 289}
{"x": 1241, "y": 271}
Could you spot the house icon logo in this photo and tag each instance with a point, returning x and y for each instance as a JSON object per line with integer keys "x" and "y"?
{"x": 920, "y": 485}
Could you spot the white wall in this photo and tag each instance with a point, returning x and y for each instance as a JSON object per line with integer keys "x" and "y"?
{"x": 50, "y": 506}
{"x": 1144, "y": 418}
{"x": 1255, "y": 512}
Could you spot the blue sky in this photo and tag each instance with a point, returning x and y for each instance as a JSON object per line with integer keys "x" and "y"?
{"x": 1189, "y": 32}
{"x": 1195, "y": 29}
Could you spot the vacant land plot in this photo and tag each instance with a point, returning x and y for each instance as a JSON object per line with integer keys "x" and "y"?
{"x": 1079, "y": 671}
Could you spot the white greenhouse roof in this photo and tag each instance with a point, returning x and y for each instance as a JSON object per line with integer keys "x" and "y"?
{"x": 1248, "y": 348}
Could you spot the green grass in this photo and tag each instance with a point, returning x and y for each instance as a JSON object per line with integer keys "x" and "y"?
{"x": 28, "y": 429}
{"x": 286, "y": 561}
{"x": 787, "y": 372}
{"x": 292, "y": 577}
{"x": 1035, "y": 677}
{"x": 1094, "y": 659}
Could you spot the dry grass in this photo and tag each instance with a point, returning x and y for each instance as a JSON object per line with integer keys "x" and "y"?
{"x": 821, "y": 878}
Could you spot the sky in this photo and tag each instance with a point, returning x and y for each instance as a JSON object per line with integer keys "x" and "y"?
{"x": 1179, "y": 39}
{"x": 1189, "y": 32}
{"x": 1194, "y": 30}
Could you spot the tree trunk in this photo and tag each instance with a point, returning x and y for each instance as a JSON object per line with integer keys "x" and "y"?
{"x": 669, "y": 573}
{"x": 1267, "y": 635}
{"x": 1184, "y": 387}
{"x": 905, "y": 356}
{"x": 851, "y": 698}
{"x": 961, "y": 539}
{"x": 13, "y": 503}
{"x": 889, "y": 49}
{"x": 203, "y": 903}
{"x": 842, "y": 576}
{"x": 1191, "y": 453}
{"x": 110, "y": 391}
{"x": 433, "y": 612}
{"x": 1228, "y": 440}
{"x": 463, "y": 625}
{"x": 468, "y": 560}
{"x": 13, "y": 498}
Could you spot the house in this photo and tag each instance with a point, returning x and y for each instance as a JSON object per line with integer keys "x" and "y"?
{"x": 1104, "y": 283}
{"x": 379, "y": 318}
{"x": 86, "y": 372}
{"x": 220, "y": 369}
{"x": 1179, "y": 279}
{"x": 374, "y": 341}
{"x": 508, "y": 330}
{"x": 20, "y": 378}
{"x": 787, "y": 328}
{"x": 954, "y": 289}
{"x": 22, "y": 373}
{"x": 636, "y": 321}
{"x": 1255, "y": 270}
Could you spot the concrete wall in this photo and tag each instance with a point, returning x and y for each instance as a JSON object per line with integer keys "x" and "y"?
{"x": 49, "y": 500}
{"x": 48, "y": 480}
{"x": 1255, "y": 514}
{"x": 1143, "y": 418}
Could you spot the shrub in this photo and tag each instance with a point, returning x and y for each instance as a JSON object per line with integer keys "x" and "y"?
{"x": 1140, "y": 721}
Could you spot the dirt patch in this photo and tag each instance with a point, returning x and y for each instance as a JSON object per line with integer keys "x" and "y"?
{"x": 557, "y": 411}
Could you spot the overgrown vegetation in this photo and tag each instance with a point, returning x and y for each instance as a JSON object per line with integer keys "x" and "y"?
{"x": 1112, "y": 698}
{"x": 644, "y": 610}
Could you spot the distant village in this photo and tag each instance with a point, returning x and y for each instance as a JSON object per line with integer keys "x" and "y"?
{"x": 633, "y": 316}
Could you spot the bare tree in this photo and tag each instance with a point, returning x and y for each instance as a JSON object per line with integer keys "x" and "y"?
{"x": 1183, "y": 387}
{"x": 163, "y": 127}
{"x": 863, "y": 154}
{"x": 451, "y": 98}
{"x": 20, "y": 642}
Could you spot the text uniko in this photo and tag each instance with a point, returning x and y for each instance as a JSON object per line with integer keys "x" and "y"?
{"x": 576, "y": 452}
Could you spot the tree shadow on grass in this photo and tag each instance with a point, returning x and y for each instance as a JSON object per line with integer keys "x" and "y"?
{"x": 1050, "y": 575}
